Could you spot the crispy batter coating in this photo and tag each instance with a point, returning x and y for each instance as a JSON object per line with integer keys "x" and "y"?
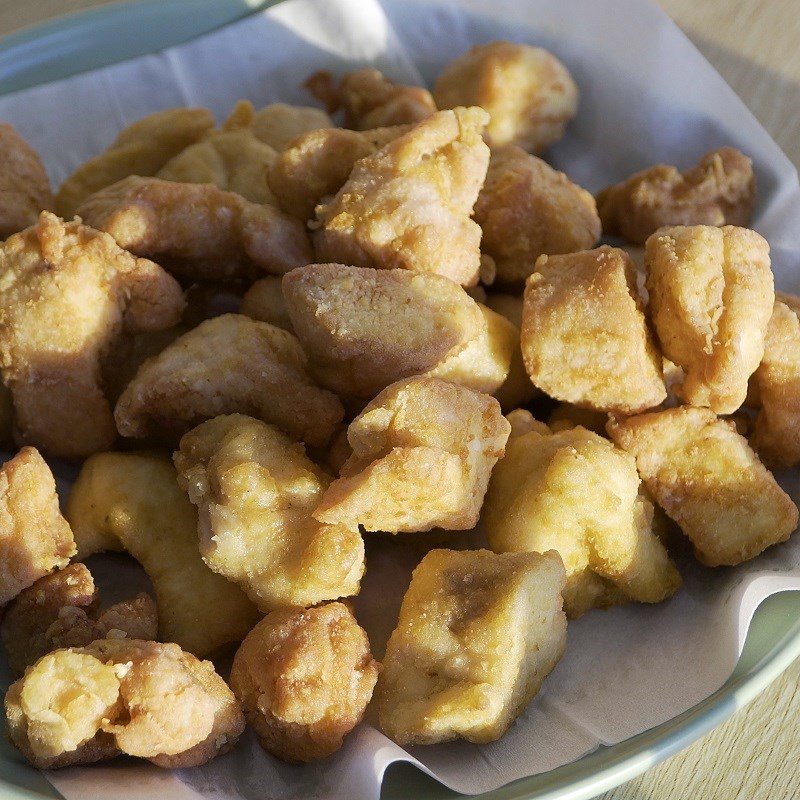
{"x": 423, "y": 451}
{"x": 66, "y": 291}
{"x": 522, "y": 422}
{"x": 527, "y": 91}
{"x": 142, "y": 148}
{"x": 132, "y": 502}
{"x": 35, "y": 538}
{"x": 565, "y": 416}
{"x": 409, "y": 205}
{"x": 719, "y": 190}
{"x": 62, "y": 610}
{"x": 584, "y": 335}
{"x": 477, "y": 635}
{"x": 527, "y": 209}
{"x": 277, "y": 124}
{"x": 577, "y": 494}
{"x": 228, "y": 364}
{"x": 144, "y": 699}
{"x": 24, "y": 185}
{"x": 707, "y": 479}
{"x": 264, "y": 301}
{"x": 304, "y": 678}
{"x": 711, "y": 297}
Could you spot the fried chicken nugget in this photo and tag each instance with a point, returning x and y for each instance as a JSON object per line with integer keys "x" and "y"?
{"x": 711, "y": 297}
{"x": 132, "y": 502}
{"x": 197, "y": 230}
{"x": 527, "y": 91}
{"x": 584, "y": 335}
{"x": 707, "y": 479}
{"x": 577, "y": 494}
{"x": 423, "y": 451}
{"x": 277, "y": 124}
{"x": 409, "y": 205}
{"x": 66, "y": 292}
{"x": 115, "y": 696}
{"x": 324, "y": 651}
{"x": 142, "y": 148}
{"x": 62, "y": 610}
{"x": 477, "y": 635}
{"x": 264, "y": 302}
{"x": 719, "y": 190}
{"x": 527, "y": 209}
{"x": 24, "y": 185}
{"x": 228, "y": 364}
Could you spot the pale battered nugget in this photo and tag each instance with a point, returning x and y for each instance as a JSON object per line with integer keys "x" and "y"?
{"x": 527, "y": 91}
{"x": 527, "y": 209}
{"x": 707, "y": 479}
{"x": 228, "y": 364}
{"x": 423, "y": 451}
{"x": 477, "y": 635}
{"x": 142, "y": 148}
{"x": 277, "y": 124}
{"x": 304, "y": 678}
{"x": 711, "y": 297}
{"x": 62, "y": 610}
{"x": 66, "y": 293}
{"x": 719, "y": 190}
{"x": 577, "y": 494}
{"x": 585, "y": 339}
{"x": 409, "y": 205}
{"x": 132, "y": 502}
{"x": 565, "y": 416}
{"x": 34, "y": 538}
{"x": 198, "y": 230}
{"x": 122, "y": 696}
{"x": 24, "y": 185}
{"x": 264, "y": 302}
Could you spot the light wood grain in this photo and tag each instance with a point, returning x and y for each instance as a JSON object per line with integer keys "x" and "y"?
{"x": 754, "y": 45}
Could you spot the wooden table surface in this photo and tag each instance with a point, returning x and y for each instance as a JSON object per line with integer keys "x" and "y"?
{"x": 755, "y": 45}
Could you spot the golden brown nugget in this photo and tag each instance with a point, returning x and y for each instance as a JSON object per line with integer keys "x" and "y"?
{"x": 522, "y": 422}
{"x": 408, "y": 205}
{"x": 324, "y": 651}
{"x": 66, "y": 292}
{"x": 719, "y": 190}
{"x": 62, "y": 610}
{"x": 565, "y": 416}
{"x": 255, "y": 490}
{"x": 122, "y": 696}
{"x": 35, "y": 538}
{"x": 477, "y": 635}
{"x": 707, "y": 479}
{"x": 527, "y": 91}
{"x": 577, "y": 494}
{"x": 423, "y": 451}
{"x": 277, "y": 124}
{"x": 198, "y": 230}
{"x": 132, "y": 502}
{"x": 527, "y": 209}
{"x": 142, "y": 148}
{"x": 24, "y": 185}
{"x": 264, "y": 302}
{"x": 226, "y": 365}
{"x": 585, "y": 339}
{"x": 711, "y": 297}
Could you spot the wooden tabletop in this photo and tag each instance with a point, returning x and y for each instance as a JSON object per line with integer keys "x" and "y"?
{"x": 754, "y": 44}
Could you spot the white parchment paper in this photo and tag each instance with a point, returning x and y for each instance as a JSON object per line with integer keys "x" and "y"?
{"x": 647, "y": 96}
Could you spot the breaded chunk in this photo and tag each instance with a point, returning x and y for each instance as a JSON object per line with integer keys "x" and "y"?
{"x": 278, "y": 123}
{"x": 527, "y": 91}
{"x": 711, "y": 296}
{"x": 132, "y": 502}
{"x": 228, "y": 364}
{"x": 66, "y": 292}
{"x": 527, "y": 209}
{"x": 707, "y": 479}
{"x": 584, "y": 336}
{"x": 264, "y": 301}
{"x": 423, "y": 451}
{"x": 114, "y": 696}
{"x": 577, "y": 494}
{"x": 477, "y": 635}
{"x": 198, "y": 230}
{"x": 304, "y": 678}
{"x": 719, "y": 190}
{"x": 409, "y": 204}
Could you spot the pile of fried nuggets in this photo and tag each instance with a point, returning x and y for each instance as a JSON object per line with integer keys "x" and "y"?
{"x": 378, "y": 332}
